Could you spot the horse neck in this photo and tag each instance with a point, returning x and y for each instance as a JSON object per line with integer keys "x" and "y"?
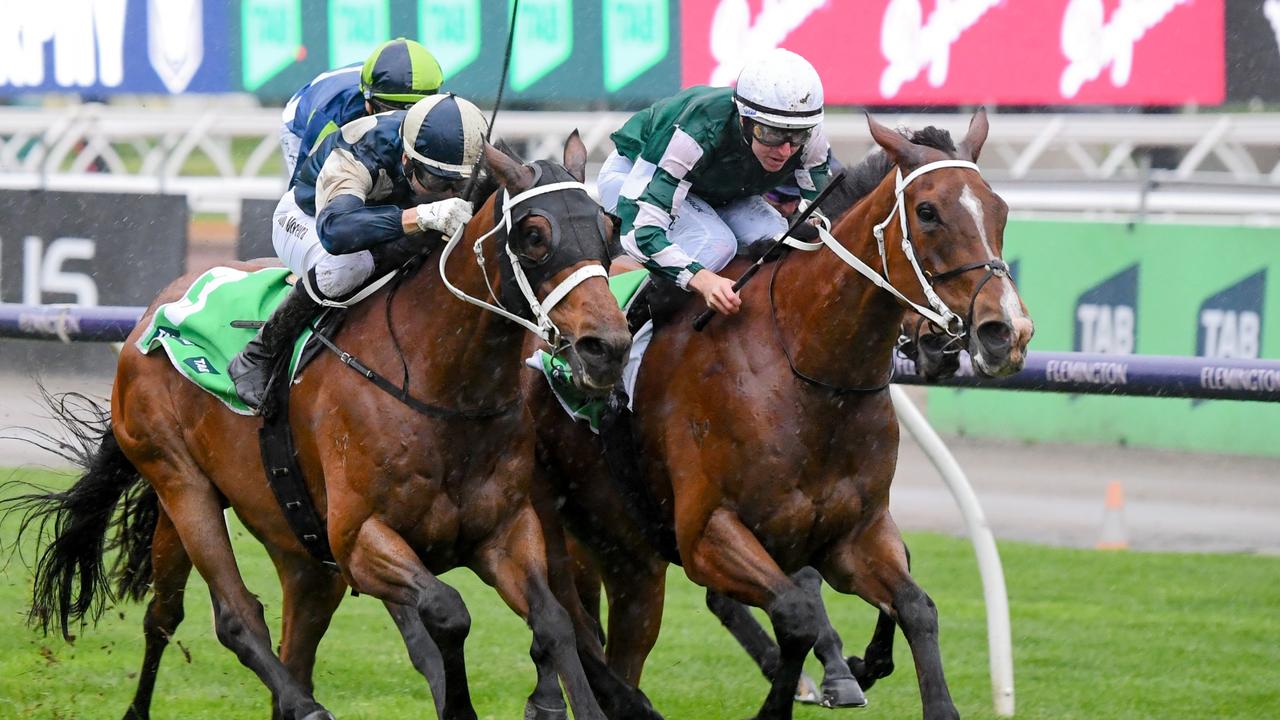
{"x": 838, "y": 326}
{"x": 459, "y": 353}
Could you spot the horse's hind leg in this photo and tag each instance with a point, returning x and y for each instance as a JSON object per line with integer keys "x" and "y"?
{"x": 876, "y": 662}
{"x": 725, "y": 556}
{"x": 196, "y": 511}
{"x": 170, "y": 568}
{"x": 873, "y": 564}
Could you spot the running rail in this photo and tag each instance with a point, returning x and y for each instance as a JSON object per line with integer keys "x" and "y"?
{"x": 1063, "y": 372}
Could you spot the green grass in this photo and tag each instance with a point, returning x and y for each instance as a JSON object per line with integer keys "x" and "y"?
{"x": 1096, "y": 635}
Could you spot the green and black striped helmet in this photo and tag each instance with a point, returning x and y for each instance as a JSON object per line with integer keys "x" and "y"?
{"x": 400, "y": 72}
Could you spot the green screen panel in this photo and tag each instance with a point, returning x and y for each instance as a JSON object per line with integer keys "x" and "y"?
{"x": 356, "y": 28}
{"x": 271, "y": 39}
{"x": 450, "y": 29}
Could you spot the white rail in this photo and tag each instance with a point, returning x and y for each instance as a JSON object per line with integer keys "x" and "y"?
{"x": 1215, "y": 164}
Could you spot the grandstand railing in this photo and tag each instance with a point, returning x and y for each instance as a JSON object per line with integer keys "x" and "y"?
{"x": 1126, "y": 164}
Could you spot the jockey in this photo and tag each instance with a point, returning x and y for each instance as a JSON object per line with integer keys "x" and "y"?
{"x": 359, "y": 196}
{"x": 688, "y": 173}
{"x": 397, "y": 74}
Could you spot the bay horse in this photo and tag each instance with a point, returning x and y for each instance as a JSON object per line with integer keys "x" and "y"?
{"x": 405, "y": 495}
{"x": 769, "y": 441}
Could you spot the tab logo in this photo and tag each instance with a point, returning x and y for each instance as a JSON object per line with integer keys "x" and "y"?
{"x": 201, "y": 365}
{"x": 1091, "y": 44}
{"x": 1229, "y": 324}
{"x": 1106, "y": 316}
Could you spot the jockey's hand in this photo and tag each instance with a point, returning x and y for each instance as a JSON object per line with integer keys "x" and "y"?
{"x": 717, "y": 291}
{"x": 445, "y": 216}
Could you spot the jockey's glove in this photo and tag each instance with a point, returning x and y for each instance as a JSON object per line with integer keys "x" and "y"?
{"x": 445, "y": 216}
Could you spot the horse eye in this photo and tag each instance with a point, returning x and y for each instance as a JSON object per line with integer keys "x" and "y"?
{"x": 926, "y": 213}
{"x": 534, "y": 237}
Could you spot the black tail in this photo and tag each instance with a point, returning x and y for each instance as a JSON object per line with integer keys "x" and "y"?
{"x": 108, "y": 511}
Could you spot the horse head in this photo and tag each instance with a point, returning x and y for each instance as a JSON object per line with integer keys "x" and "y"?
{"x": 952, "y": 222}
{"x": 559, "y": 239}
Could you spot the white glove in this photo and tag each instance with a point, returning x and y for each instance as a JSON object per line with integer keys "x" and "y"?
{"x": 445, "y": 216}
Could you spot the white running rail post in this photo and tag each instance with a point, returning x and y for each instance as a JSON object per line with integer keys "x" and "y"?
{"x": 999, "y": 637}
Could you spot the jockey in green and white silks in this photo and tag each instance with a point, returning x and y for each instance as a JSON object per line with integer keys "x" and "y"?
{"x": 688, "y": 172}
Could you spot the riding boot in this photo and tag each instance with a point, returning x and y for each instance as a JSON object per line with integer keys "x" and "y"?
{"x": 251, "y": 368}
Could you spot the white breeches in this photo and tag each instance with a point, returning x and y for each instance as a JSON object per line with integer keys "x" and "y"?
{"x": 293, "y": 233}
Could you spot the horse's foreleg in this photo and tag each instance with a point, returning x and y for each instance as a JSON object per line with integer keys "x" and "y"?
{"x": 383, "y": 565}
{"x": 311, "y": 594}
{"x": 873, "y": 564}
{"x": 839, "y": 687}
{"x": 423, "y": 652}
{"x": 726, "y": 557}
{"x": 637, "y": 591}
{"x": 515, "y": 564}
{"x": 170, "y": 568}
{"x": 196, "y": 511}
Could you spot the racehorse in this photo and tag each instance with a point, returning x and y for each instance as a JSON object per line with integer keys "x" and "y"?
{"x": 406, "y": 493}
{"x": 769, "y": 441}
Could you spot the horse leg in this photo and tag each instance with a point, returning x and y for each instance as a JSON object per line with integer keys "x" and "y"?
{"x": 839, "y": 686}
{"x": 383, "y": 565}
{"x": 423, "y": 652}
{"x": 310, "y": 594}
{"x": 196, "y": 512}
{"x": 873, "y": 564}
{"x": 586, "y": 578}
{"x": 726, "y": 557}
{"x": 170, "y": 568}
{"x": 515, "y": 564}
{"x": 877, "y": 659}
{"x": 637, "y": 591}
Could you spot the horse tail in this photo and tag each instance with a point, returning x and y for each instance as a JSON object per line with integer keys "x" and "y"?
{"x": 109, "y": 510}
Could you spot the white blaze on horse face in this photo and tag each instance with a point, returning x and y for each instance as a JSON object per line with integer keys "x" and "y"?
{"x": 1009, "y": 301}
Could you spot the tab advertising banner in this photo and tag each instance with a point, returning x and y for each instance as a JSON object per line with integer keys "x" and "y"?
{"x": 1153, "y": 289}
{"x": 1011, "y": 52}
{"x": 101, "y": 47}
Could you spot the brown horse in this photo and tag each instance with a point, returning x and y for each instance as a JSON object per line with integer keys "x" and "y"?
{"x": 405, "y": 495}
{"x": 769, "y": 441}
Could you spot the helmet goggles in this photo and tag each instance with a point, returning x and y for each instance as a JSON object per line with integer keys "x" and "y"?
{"x": 771, "y": 136}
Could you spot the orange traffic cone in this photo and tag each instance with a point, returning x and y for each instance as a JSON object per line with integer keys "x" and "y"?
{"x": 1113, "y": 535}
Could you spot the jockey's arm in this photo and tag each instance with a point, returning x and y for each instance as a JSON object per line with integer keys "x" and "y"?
{"x": 344, "y": 222}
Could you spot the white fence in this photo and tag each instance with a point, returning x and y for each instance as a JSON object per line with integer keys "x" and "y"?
{"x": 1211, "y": 165}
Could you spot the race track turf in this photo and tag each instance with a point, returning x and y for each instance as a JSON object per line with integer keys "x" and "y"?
{"x": 1097, "y": 635}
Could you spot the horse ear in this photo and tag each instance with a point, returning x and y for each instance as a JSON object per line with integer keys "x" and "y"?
{"x": 512, "y": 175}
{"x": 508, "y": 150}
{"x": 899, "y": 149}
{"x": 575, "y": 156}
{"x": 976, "y": 135}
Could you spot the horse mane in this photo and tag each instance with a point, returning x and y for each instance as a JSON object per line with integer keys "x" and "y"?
{"x": 862, "y": 178}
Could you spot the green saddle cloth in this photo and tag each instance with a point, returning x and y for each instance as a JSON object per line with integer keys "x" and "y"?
{"x": 196, "y": 331}
{"x": 557, "y": 370}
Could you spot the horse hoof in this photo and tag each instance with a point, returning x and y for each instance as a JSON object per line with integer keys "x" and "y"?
{"x": 807, "y": 691}
{"x": 534, "y": 711}
{"x": 842, "y": 693}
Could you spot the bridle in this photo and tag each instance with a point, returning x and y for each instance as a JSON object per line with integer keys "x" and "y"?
{"x": 542, "y": 325}
{"x": 957, "y": 327}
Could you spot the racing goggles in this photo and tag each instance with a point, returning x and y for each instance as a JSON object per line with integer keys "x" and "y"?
{"x": 438, "y": 184}
{"x": 771, "y": 136}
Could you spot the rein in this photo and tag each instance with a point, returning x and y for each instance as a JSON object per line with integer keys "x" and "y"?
{"x": 939, "y": 314}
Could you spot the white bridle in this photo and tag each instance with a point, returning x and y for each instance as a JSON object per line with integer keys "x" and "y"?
{"x": 545, "y": 328}
{"x": 940, "y": 314}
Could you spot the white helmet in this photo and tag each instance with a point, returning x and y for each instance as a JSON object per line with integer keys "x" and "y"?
{"x": 781, "y": 89}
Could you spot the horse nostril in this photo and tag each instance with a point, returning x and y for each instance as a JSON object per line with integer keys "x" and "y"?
{"x": 598, "y": 351}
{"x": 996, "y": 336}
